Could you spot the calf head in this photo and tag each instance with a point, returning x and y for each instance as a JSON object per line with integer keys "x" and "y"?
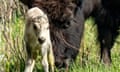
{"x": 37, "y": 25}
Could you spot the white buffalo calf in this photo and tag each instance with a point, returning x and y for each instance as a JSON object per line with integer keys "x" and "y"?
{"x": 37, "y": 38}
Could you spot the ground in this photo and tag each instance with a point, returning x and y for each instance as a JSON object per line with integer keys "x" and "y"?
{"x": 12, "y": 53}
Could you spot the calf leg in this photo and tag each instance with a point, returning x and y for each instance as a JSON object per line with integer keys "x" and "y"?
{"x": 45, "y": 63}
{"x": 44, "y": 49}
{"x": 29, "y": 65}
{"x": 51, "y": 58}
{"x": 30, "y": 61}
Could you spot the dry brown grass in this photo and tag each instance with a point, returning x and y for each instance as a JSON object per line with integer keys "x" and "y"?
{"x": 11, "y": 43}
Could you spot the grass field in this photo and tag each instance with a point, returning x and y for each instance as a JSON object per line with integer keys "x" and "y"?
{"x": 12, "y": 52}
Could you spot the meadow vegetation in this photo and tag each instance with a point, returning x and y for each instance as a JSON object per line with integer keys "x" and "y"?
{"x": 12, "y": 48}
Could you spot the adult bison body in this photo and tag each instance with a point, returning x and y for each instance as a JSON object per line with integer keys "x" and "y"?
{"x": 107, "y": 17}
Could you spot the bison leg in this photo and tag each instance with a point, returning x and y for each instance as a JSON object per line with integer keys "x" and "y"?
{"x": 30, "y": 61}
{"x": 44, "y": 50}
{"x": 105, "y": 34}
{"x": 29, "y": 65}
{"x": 105, "y": 44}
{"x": 107, "y": 38}
{"x": 51, "y": 58}
{"x": 45, "y": 63}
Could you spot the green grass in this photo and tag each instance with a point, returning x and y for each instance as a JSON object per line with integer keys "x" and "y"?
{"x": 12, "y": 49}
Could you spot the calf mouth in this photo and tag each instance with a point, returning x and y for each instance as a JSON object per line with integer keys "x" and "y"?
{"x": 41, "y": 40}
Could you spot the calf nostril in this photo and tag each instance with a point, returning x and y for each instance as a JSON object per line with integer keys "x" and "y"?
{"x": 41, "y": 40}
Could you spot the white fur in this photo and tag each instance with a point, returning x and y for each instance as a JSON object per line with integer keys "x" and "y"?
{"x": 32, "y": 35}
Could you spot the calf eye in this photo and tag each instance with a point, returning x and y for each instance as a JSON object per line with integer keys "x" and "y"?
{"x": 35, "y": 27}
